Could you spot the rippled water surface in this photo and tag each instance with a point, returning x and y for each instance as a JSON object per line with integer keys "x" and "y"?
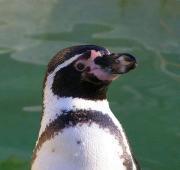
{"x": 146, "y": 101}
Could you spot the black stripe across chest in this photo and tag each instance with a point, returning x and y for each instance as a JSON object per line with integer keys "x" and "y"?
{"x": 81, "y": 117}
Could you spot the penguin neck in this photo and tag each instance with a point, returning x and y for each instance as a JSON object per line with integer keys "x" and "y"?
{"x": 54, "y": 106}
{"x": 52, "y": 103}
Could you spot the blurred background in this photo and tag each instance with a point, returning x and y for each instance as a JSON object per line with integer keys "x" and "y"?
{"x": 146, "y": 101}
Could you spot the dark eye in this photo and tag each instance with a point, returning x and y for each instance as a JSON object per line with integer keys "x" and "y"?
{"x": 80, "y": 66}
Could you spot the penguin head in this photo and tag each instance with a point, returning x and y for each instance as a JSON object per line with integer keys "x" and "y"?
{"x": 85, "y": 71}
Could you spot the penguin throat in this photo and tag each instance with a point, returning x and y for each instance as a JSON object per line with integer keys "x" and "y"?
{"x": 53, "y": 106}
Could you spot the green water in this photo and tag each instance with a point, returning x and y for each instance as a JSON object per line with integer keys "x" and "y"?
{"x": 146, "y": 101}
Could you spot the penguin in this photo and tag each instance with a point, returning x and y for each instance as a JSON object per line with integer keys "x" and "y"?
{"x": 78, "y": 129}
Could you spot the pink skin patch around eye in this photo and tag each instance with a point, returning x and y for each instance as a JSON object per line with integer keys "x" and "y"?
{"x": 96, "y": 70}
{"x": 95, "y": 54}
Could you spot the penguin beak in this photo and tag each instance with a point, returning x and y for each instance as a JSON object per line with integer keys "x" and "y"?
{"x": 116, "y": 63}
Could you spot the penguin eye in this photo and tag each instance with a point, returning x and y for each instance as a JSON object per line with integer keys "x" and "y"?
{"x": 80, "y": 66}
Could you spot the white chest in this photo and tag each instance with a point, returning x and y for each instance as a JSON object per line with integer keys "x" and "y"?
{"x": 81, "y": 147}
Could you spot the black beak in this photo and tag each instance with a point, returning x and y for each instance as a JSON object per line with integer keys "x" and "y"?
{"x": 116, "y": 63}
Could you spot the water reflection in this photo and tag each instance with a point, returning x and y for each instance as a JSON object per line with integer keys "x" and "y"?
{"x": 85, "y": 33}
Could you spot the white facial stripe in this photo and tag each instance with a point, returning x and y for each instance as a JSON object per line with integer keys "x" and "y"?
{"x": 66, "y": 63}
{"x": 48, "y": 84}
